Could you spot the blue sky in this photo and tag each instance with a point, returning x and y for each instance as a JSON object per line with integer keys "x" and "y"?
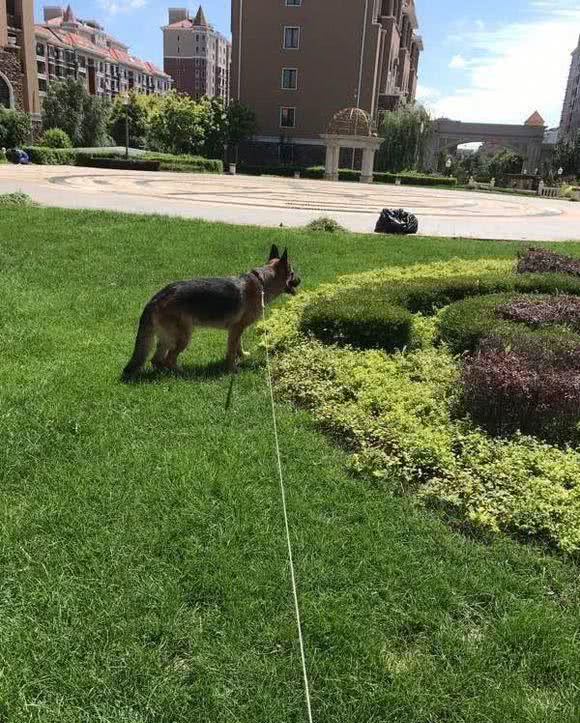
{"x": 488, "y": 60}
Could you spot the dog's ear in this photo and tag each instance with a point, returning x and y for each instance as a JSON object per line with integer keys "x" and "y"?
{"x": 284, "y": 258}
{"x": 274, "y": 253}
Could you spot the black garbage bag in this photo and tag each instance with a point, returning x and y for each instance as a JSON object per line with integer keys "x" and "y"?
{"x": 17, "y": 156}
{"x": 397, "y": 221}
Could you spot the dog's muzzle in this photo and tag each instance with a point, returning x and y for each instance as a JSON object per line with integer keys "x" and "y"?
{"x": 292, "y": 284}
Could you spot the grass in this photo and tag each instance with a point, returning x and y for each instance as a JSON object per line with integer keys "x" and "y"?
{"x": 144, "y": 574}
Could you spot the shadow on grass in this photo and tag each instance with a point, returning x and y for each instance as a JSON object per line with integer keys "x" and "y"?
{"x": 192, "y": 372}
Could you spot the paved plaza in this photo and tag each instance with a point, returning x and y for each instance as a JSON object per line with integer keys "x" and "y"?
{"x": 269, "y": 201}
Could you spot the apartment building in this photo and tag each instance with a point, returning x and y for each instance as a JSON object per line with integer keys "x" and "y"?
{"x": 297, "y": 62}
{"x": 196, "y": 56}
{"x": 68, "y": 47}
{"x": 570, "y": 122}
{"x": 18, "y": 85}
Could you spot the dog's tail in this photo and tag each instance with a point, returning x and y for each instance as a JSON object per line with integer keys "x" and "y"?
{"x": 143, "y": 343}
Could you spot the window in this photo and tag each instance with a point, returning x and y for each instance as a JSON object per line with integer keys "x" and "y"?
{"x": 291, "y": 38}
{"x": 289, "y": 78}
{"x": 41, "y": 67}
{"x": 40, "y": 49}
{"x": 293, "y": 3}
{"x": 287, "y": 117}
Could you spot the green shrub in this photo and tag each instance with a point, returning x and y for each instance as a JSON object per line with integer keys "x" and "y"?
{"x": 463, "y": 325}
{"x": 325, "y": 224}
{"x": 51, "y": 156}
{"x": 3, "y": 158}
{"x": 15, "y": 200}
{"x": 55, "y": 138}
{"x": 359, "y": 320}
{"x": 15, "y": 128}
{"x": 398, "y": 414}
{"x": 408, "y": 178}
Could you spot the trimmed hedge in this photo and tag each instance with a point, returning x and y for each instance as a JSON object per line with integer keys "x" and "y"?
{"x": 398, "y": 415}
{"x": 42, "y": 155}
{"x": 347, "y": 318}
{"x": 128, "y": 164}
{"x": 362, "y": 321}
{"x": 347, "y": 174}
{"x": 465, "y": 324}
{"x": 538, "y": 260}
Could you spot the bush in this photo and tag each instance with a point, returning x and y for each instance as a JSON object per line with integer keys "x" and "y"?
{"x": 415, "y": 179}
{"x": 539, "y": 312}
{"x": 397, "y": 414}
{"x": 463, "y": 325}
{"x": 528, "y": 388}
{"x": 3, "y": 158}
{"x": 15, "y": 200}
{"x": 122, "y": 164}
{"x": 69, "y": 106}
{"x": 541, "y": 261}
{"x": 325, "y": 224}
{"x": 55, "y": 138}
{"x": 51, "y": 156}
{"x": 15, "y": 128}
{"x": 360, "y": 321}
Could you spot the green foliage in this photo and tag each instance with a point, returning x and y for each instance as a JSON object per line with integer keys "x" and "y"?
{"x": 407, "y": 178}
{"x": 567, "y": 156}
{"x": 44, "y": 156}
{"x": 397, "y": 414}
{"x": 483, "y": 166}
{"x": 55, "y": 138}
{"x": 15, "y": 200}
{"x": 241, "y": 123}
{"x": 325, "y": 224}
{"x": 3, "y": 158}
{"x": 15, "y": 128}
{"x": 177, "y": 125}
{"x": 358, "y": 320}
{"x": 138, "y": 111}
{"x": 504, "y": 163}
{"x": 406, "y": 132}
{"x": 84, "y": 118}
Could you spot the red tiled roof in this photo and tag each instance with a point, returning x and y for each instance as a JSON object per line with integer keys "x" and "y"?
{"x": 64, "y": 38}
{"x": 188, "y": 23}
{"x": 535, "y": 120}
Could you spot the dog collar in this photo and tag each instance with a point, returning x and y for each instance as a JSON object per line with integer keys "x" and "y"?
{"x": 257, "y": 276}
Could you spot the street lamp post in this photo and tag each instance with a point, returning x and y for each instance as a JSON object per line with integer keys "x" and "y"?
{"x": 126, "y": 102}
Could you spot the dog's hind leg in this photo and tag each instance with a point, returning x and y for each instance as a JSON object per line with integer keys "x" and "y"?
{"x": 183, "y": 332}
{"x": 160, "y": 355}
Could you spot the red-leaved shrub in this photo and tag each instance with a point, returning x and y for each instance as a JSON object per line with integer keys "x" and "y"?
{"x": 536, "y": 312}
{"x": 526, "y": 387}
{"x": 542, "y": 261}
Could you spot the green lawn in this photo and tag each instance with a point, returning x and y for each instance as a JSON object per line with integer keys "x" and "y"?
{"x": 143, "y": 563}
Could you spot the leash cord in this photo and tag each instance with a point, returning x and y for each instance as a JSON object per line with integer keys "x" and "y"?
{"x": 288, "y": 540}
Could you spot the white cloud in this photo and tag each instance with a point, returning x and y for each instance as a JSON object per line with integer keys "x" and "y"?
{"x": 457, "y": 62}
{"x": 114, "y": 7}
{"x": 426, "y": 93}
{"x": 516, "y": 68}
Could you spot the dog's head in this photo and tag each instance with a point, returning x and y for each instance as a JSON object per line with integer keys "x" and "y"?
{"x": 285, "y": 275}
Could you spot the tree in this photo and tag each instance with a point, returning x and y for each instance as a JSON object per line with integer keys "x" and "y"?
{"x": 504, "y": 163}
{"x": 567, "y": 156}
{"x": 177, "y": 125}
{"x": 241, "y": 124}
{"x": 406, "y": 133}
{"x": 139, "y": 109}
{"x": 84, "y": 118}
{"x": 15, "y": 128}
{"x": 215, "y": 125}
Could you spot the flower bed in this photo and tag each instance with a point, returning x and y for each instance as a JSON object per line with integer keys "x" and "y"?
{"x": 401, "y": 414}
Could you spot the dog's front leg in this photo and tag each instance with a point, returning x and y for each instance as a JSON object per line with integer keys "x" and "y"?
{"x": 234, "y": 346}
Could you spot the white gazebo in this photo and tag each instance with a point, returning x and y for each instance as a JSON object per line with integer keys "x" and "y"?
{"x": 351, "y": 128}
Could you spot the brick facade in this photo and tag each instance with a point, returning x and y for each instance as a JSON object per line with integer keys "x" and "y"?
{"x": 11, "y": 70}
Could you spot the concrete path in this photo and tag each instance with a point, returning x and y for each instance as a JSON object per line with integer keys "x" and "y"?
{"x": 269, "y": 201}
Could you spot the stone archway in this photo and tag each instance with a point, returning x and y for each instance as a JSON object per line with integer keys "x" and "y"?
{"x": 6, "y": 92}
{"x": 351, "y": 128}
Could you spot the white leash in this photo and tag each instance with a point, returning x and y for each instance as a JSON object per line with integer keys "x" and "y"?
{"x": 285, "y": 509}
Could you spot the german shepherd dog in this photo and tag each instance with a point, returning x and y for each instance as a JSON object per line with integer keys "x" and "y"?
{"x": 233, "y": 303}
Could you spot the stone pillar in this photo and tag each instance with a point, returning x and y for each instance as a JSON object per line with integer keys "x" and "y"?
{"x": 3, "y": 25}
{"x": 368, "y": 163}
{"x": 332, "y": 158}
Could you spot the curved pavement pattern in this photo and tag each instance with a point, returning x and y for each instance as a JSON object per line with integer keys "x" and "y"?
{"x": 270, "y": 201}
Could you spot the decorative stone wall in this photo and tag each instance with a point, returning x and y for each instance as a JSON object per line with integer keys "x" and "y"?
{"x": 11, "y": 69}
